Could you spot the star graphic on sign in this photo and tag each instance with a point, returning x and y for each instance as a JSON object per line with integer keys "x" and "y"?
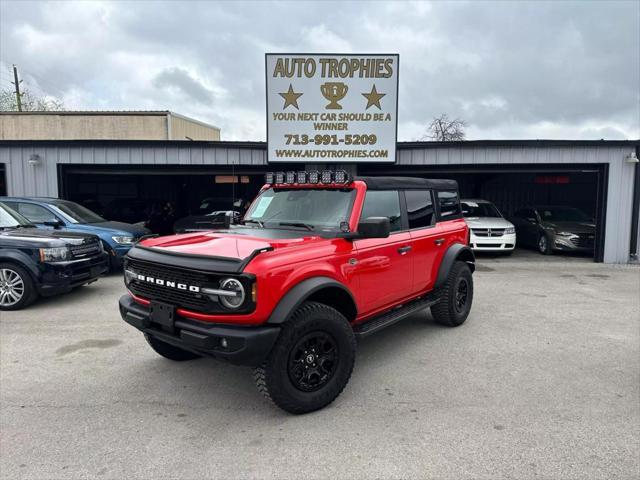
{"x": 373, "y": 97}
{"x": 290, "y": 97}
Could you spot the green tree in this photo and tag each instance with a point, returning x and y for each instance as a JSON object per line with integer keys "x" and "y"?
{"x": 30, "y": 102}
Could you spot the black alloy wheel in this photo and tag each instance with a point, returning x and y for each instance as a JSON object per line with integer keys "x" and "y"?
{"x": 462, "y": 293}
{"x": 313, "y": 361}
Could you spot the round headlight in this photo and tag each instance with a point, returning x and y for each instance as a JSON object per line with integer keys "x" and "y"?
{"x": 232, "y": 285}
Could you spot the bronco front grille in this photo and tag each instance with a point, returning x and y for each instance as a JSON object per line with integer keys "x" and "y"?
{"x": 182, "y": 298}
{"x": 85, "y": 250}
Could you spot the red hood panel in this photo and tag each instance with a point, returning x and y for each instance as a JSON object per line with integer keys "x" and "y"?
{"x": 220, "y": 244}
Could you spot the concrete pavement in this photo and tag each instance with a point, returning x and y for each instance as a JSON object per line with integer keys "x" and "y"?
{"x": 543, "y": 381}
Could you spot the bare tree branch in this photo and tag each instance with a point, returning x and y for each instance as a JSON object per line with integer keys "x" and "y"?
{"x": 441, "y": 129}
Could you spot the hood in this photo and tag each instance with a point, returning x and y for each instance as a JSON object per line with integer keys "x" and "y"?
{"x": 116, "y": 227}
{"x": 487, "y": 222}
{"x": 237, "y": 243}
{"x": 572, "y": 227}
{"x": 38, "y": 237}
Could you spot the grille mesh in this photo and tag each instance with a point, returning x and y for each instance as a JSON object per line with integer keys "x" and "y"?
{"x": 85, "y": 249}
{"x": 171, "y": 295}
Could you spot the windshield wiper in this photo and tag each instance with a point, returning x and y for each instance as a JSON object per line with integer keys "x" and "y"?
{"x": 260, "y": 224}
{"x": 311, "y": 228}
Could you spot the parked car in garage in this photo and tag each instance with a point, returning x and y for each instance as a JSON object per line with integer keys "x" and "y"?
{"x": 36, "y": 262}
{"x": 53, "y": 213}
{"x": 200, "y": 223}
{"x": 555, "y": 228}
{"x": 489, "y": 230}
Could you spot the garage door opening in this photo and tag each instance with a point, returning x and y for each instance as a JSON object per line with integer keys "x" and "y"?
{"x": 138, "y": 194}
{"x": 579, "y": 189}
{"x": 3, "y": 180}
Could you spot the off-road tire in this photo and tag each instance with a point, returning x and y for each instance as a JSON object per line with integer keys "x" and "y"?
{"x": 447, "y": 311}
{"x": 274, "y": 378}
{"x": 169, "y": 351}
{"x": 29, "y": 292}
{"x": 546, "y": 249}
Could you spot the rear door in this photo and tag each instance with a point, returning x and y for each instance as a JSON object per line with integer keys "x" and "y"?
{"x": 384, "y": 265}
{"x": 425, "y": 235}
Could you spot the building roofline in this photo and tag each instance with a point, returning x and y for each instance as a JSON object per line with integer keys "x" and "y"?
{"x": 519, "y": 143}
{"x": 401, "y": 145}
{"x": 193, "y": 120}
{"x": 93, "y": 112}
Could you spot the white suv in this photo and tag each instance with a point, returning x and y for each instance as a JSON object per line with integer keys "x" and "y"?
{"x": 488, "y": 230}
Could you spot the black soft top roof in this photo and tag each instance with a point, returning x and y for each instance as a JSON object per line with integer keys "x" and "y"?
{"x": 407, "y": 183}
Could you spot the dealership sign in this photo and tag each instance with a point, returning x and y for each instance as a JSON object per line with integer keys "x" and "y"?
{"x": 332, "y": 108}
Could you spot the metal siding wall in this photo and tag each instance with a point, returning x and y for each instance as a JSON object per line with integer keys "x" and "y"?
{"x": 620, "y": 186}
{"x": 25, "y": 179}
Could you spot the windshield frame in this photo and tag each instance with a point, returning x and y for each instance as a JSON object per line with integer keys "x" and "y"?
{"x": 56, "y": 207}
{"x": 21, "y": 219}
{"x": 552, "y": 209}
{"x": 490, "y": 204}
{"x": 317, "y": 229}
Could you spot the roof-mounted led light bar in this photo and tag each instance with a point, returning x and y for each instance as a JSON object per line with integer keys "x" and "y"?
{"x": 325, "y": 177}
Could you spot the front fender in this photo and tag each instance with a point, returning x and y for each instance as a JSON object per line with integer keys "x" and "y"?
{"x": 299, "y": 293}
{"x": 22, "y": 259}
{"x": 457, "y": 251}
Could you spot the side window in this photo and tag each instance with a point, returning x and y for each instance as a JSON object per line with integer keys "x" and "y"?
{"x": 35, "y": 213}
{"x": 419, "y": 208}
{"x": 383, "y": 203}
{"x": 449, "y": 205}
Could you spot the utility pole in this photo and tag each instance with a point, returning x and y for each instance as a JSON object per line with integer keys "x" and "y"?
{"x": 17, "y": 84}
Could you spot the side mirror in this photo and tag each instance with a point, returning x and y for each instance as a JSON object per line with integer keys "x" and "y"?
{"x": 53, "y": 223}
{"x": 374, "y": 227}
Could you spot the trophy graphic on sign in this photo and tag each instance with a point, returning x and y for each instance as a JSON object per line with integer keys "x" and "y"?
{"x": 334, "y": 92}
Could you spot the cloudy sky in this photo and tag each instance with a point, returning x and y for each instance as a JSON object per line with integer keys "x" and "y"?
{"x": 509, "y": 69}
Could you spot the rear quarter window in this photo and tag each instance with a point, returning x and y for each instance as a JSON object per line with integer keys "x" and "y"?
{"x": 449, "y": 203}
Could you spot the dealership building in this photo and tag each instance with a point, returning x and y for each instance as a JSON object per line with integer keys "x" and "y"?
{"x": 601, "y": 177}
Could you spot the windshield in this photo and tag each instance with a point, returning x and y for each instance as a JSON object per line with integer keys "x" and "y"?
{"x": 9, "y": 218}
{"x": 319, "y": 209}
{"x": 474, "y": 209}
{"x": 563, "y": 214}
{"x": 77, "y": 213}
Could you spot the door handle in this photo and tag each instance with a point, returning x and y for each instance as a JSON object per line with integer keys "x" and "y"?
{"x": 404, "y": 250}
{"x": 439, "y": 241}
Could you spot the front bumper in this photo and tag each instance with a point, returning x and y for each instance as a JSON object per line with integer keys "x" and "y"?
{"x": 61, "y": 277}
{"x": 245, "y": 345}
{"x": 575, "y": 243}
{"x": 492, "y": 244}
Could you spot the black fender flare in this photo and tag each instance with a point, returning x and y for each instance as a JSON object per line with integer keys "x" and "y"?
{"x": 291, "y": 300}
{"x": 457, "y": 251}
{"x": 21, "y": 259}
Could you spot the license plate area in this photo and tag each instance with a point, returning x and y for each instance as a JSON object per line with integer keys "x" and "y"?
{"x": 162, "y": 313}
{"x": 95, "y": 271}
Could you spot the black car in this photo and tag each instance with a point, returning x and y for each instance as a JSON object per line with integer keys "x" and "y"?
{"x": 552, "y": 228}
{"x": 210, "y": 221}
{"x": 37, "y": 262}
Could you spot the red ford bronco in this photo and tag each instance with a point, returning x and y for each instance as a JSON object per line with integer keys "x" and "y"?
{"x": 318, "y": 260}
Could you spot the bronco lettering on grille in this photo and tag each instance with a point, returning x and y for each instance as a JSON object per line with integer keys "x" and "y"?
{"x": 168, "y": 283}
